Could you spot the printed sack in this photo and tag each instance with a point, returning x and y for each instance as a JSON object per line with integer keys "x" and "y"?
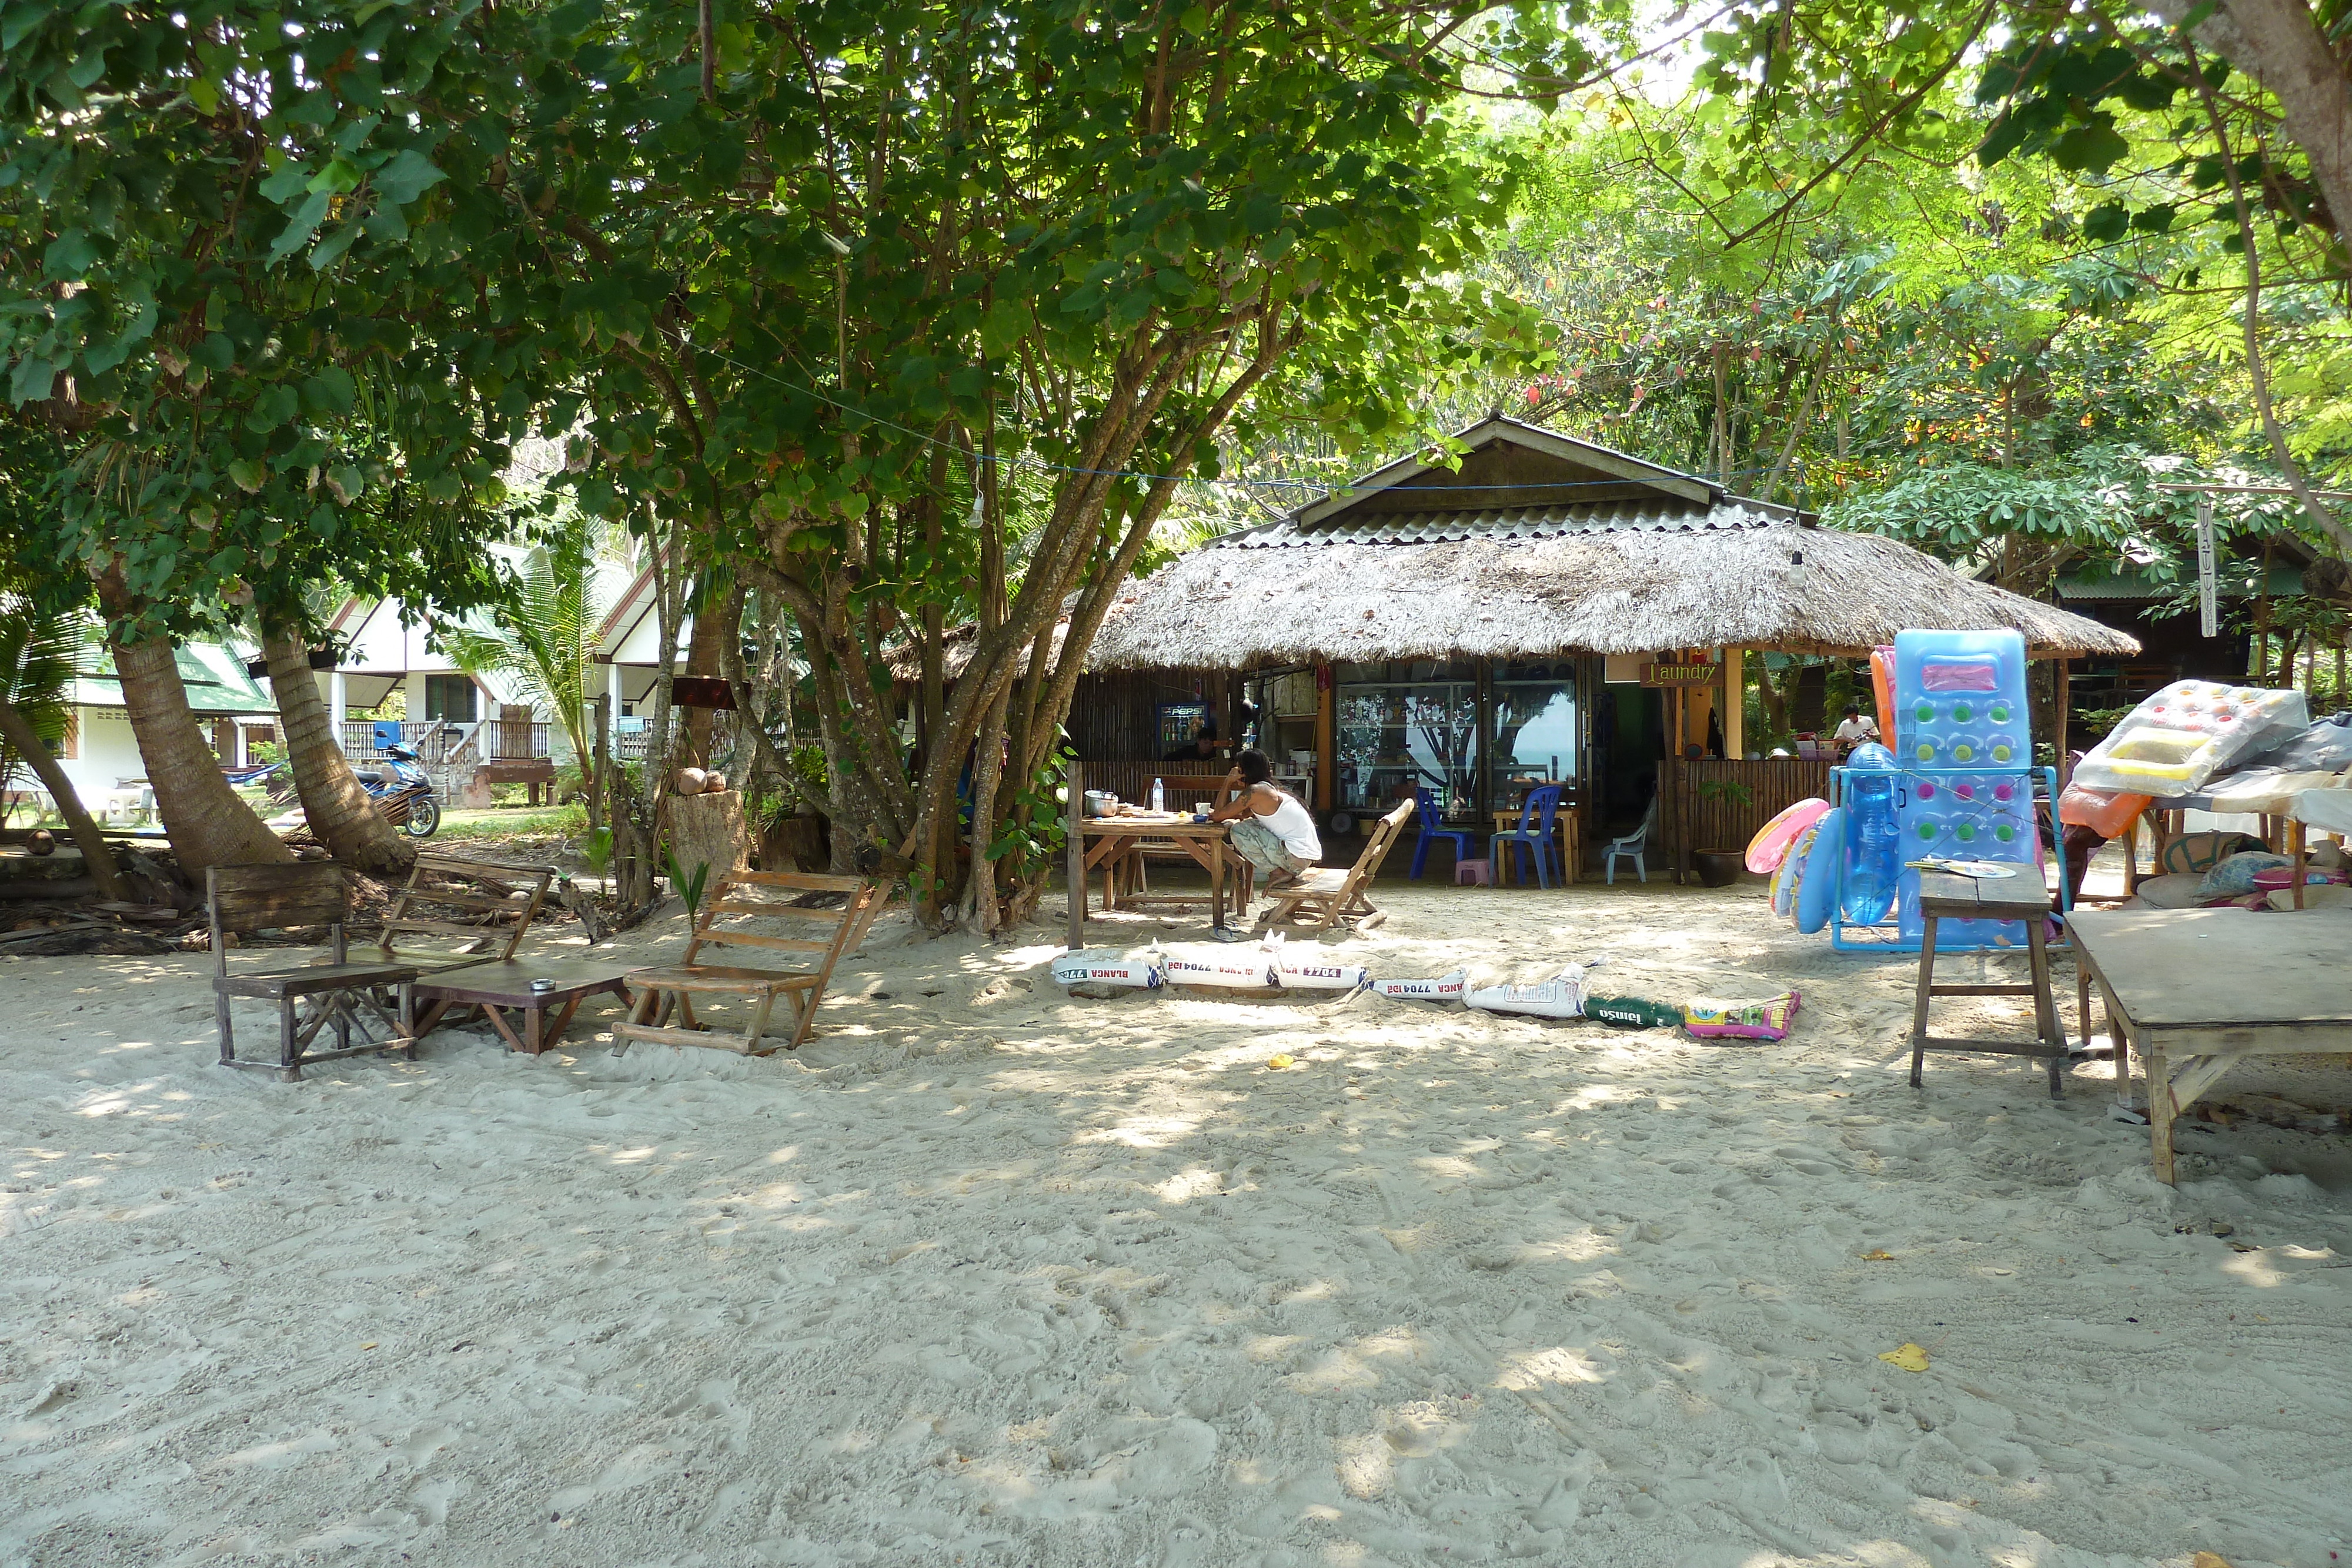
{"x": 1237, "y": 968}
{"x": 1101, "y": 967}
{"x": 1767, "y": 1019}
{"x": 1562, "y": 997}
{"x": 1632, "y": 1012}
{"x": 1445, "y": 989}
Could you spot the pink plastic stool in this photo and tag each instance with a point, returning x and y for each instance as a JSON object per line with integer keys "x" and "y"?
{"x": 1474, "y": 873}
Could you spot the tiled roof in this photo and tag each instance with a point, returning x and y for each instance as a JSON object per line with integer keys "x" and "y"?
{"x": 1663, "y": 514}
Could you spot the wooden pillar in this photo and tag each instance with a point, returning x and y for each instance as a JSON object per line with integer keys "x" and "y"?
{"x": 1326, "y": 758}
{"x": 1074, "y": 813}
{"x": 1734, "y": 702}
{"x": 2065, "y": 682}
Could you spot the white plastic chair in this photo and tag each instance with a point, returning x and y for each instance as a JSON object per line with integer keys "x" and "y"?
{"x": 1631, "y": 846}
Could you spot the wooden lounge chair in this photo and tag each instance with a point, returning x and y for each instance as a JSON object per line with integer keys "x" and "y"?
{"x": 1327, "y": 896}
{"x": 831, "y": 933}
{"x": 312, "y": 996}
{"x": 505, "y": 899}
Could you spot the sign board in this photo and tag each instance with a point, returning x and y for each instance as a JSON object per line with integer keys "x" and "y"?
{"x": 2208, "y": 620}
{"x": 703, "y": 691}
{"x": 1681, "y": 674}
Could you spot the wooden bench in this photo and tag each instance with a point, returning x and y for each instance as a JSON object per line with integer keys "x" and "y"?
{"x": 314, "y": 996}
{"x": 831, "y": 933}
{"x": 1325, "y": 896}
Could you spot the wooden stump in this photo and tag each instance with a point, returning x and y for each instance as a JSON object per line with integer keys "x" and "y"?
{"x": 796, "y": 843}
{"x": 708, "y": 830}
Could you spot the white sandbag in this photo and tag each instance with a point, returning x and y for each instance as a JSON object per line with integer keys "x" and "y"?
{"x": 1304, "y": 970}
{"x": 1101, "y": 967}
{"x": 1562, "y": 997}
{"x": 1445, "y": 989}
{"x": 1238, "y": 968}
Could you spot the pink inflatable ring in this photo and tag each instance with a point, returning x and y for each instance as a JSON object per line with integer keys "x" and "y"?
{"x": 1771, "y": 845}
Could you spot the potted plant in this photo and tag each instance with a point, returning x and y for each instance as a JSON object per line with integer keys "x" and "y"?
{"x": 1720, "y": 868}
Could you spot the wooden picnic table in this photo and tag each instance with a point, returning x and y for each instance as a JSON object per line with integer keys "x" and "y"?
{"x": 2196, "y": 991}
{"x": 1113, "y": 843}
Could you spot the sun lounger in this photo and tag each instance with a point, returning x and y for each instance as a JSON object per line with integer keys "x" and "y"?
{"x": 828, "y": 934}
{"x": 1326, "y": 896}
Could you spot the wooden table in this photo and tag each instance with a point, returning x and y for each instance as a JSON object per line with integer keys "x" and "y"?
{"x": 1112, "y": 840}
{"x": 505, "y": 983}
{"x": 1570, "y": 849}
{"x": 2196, "y": 991}
{"x": 2022, "y": 895}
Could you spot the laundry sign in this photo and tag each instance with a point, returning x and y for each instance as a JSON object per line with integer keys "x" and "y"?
{"x": 1661, "y": 674}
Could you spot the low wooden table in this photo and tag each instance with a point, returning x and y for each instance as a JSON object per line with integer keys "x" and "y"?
{"x": 500, "y": 984}
{"x": 1948, "y": 895}
{"x": 2196, "y": 991}
{"x": 1111, "y": 840}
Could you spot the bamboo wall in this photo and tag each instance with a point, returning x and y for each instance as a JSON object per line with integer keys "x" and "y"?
{"x": 1116, "y": 715}
{"x": 1689, "y": 821}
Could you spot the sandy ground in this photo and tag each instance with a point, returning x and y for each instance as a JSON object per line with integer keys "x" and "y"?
{"x": 991, "y": 1275}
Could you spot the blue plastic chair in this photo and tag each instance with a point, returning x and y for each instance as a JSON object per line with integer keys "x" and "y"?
{"x": 1542, "y": 805}
{"x": 1426, "y": 811}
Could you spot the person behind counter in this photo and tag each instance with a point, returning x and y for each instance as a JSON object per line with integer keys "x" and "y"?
{"x": 1270, "y": 828}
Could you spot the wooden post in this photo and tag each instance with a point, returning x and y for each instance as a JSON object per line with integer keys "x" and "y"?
{"x": 1327, "y": 760}
{"x": 2065, "y": 682}
{"x": 1072, "y": 829}
{"x": 1734, "y": 703}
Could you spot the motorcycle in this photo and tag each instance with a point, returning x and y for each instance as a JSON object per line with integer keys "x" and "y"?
{"x": 403, "y": 791}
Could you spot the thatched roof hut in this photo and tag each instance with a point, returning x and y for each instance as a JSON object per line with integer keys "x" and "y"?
{"x": 1540, "y": 544}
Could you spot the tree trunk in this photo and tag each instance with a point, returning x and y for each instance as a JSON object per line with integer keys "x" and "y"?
{"x": 338, "y": 808}
{"x": 18, "y": 732}
{"x": 208, "y": 824}
{"x": 702, "y": 658}
{"x": 2278, "y": 43}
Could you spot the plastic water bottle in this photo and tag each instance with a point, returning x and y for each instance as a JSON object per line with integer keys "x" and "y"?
{"x": 1874, "y": 859}
{"x": 1159, "y": 795}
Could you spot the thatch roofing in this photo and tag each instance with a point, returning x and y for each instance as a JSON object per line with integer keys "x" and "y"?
{"x": 1540, "y": 545}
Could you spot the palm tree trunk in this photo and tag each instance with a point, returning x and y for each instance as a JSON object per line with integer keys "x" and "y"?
{"x": 208, "y": 824}
{"x": 19, "y": 734}
{"x": 339, "y": 810}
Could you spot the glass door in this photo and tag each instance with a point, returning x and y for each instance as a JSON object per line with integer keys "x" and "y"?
{"x": 1402, "y": 725}
{"x": 1534, "y": 733}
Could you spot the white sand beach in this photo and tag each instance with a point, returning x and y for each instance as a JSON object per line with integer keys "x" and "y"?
{"x": 988, "y": 1274}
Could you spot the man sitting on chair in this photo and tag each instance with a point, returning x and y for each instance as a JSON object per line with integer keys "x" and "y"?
{"x": 1271, "y": 829}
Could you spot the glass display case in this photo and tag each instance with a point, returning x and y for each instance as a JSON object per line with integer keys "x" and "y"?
{"x": 1405, "y": 724}
{"x": 1534, "y": 734}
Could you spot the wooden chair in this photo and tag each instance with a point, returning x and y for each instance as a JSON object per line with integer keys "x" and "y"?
{"x": 255, "y": 897}
{"x": 664, "y": 992}
{"x": 508, "y": 895}
{"x": 1334, "y": 897}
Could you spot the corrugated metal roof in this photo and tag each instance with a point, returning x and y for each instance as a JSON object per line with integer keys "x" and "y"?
{"x": 214, "y": 675}
{"x": 2097, "y": 582}
{"x": 1663, "y": 514}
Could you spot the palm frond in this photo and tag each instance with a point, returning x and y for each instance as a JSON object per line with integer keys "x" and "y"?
{"x": 542, "y": 642}
{"x": 38, "y": 653}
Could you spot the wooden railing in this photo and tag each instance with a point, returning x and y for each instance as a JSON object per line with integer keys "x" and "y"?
{"x": 436, "y": 740}
{"x": 517, "y": 740}
{"x": 1696, "y": 814}
{"x": 441, "y": 742}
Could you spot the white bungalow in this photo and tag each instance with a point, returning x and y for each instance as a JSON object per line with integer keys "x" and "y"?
{"x": 472, "y": 729}
{"x": 100, "y": 753}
